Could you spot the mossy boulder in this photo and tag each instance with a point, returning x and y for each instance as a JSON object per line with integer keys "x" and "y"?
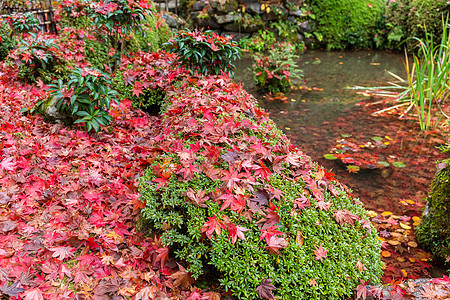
{"x": 239, "y": 205}
{"x": 348, "y": 23}
{"x": 434, "y": 231}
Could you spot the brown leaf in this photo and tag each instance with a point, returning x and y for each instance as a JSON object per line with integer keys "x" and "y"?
{"x": 182, "y": 278}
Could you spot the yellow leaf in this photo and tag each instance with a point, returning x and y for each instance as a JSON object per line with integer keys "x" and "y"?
{"x": 409, "y": 201}
{"x": 411, "y": 259}
{"x": 372, "y": 214}
{"x": 388, "y": 138}
{"x": 416, "y": 219}
{"x": 405, "y": 274}
{"x": 415, "y": 224}
{"x": 404, "y": 226}
{"x": 386, "y": 213}
{"x": 243, "y": 9}
{"x": 267, "y": 10}
{"x": 401, "y": 259}
{"x": 299, "y": 238}
{"x": 263, "y": 6}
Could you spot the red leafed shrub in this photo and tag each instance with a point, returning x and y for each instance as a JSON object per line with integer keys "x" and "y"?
{"x": 238, "y": 204}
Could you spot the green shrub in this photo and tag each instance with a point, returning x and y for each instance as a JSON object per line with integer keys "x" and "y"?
{"x": 238, "y": 204}
{"x": 260, "y": 42}
{"x": 205, "y": 52}
{"x": 429, "y": 14}
{"x": 23, "y": 22}
{"x": 155, "y": 33}
{"x": 38, "y": 57}
{"x": 86, "y": 97}
{"x": 434, "y": 231}
{"x": 274, "y": 72}
{"x": 397, "y": 22}
{"x": 7, "y": 41}
{"x": 348, "y": 23}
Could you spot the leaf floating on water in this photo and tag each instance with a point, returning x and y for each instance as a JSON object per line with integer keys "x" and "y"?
{"x": 377, "y": 138}
{"x": 386, "y": 213}
{"x": 399, "y": 164}
{"x": 383, "y": 163}
{"x": 330, "y": 156}
{"x": 353, "y": 169}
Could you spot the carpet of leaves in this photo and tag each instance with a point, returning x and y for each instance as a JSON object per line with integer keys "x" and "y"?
{"x": 69, "y": 206}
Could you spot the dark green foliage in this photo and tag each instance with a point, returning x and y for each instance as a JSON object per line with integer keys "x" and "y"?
{"x": 155, "y": 32}
{"x": 205, "y": 52}
{"x": 427, "y": 16}
{"x": 23, "y": 22}
{"x": 347, "y": 23}
{"x": 397, "y": 22}
{"x": 39, "y": 58}
{"x": 434, "y": 231}
{"x": 86, "y": 97}
{"x": 274, "y": 73}
{"x": 7, "y": 41}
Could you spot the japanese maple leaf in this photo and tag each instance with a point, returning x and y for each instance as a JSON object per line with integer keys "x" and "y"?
{"x": 265, "y": 289}
{"x": 212, "y": 153}
{"x": 62, "y": 253}
{"x": 361, "y": 290}
{"x": 261, "y": 197}
{"x": 162, "y": 181}
{"x": 11, "y": 290}
{"x": 137, "y": 89}
{"x": 34, "y": 294}
{"x": 360, "y": 266}
{"x": 302, "y": 202}
{"x": 323, "y": 205}
{"x": 236, "y": 231}
{"x": 235, "y": 202}
{"x": 292, "y": 159}
{"x": 262, "y": 171}
{"x": 8, "y": 164}
{"x": 276, "y": 243}
{"x": 213, "y": 225}
{"x": 320, "y": 253}
{"x": 269, "y": 233}
{"x": 231, "y": 177}
{"x": 182, "y": 278}
{"x": 163, "y": 254}
{"x": 345, "y": 216}
{"x": 198, "y": 198}
{"x": 188, "y": 170}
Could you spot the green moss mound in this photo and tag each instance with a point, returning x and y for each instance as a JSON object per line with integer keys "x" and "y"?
{"x": 427, "y": 15}
{"x": 348, "y": 23}
{"x": 238, "y": 204}
{"x": 434, "y": 232}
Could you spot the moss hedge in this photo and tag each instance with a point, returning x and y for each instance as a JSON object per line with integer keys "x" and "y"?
{"x": 348, "y": 23}
{"x": 238, "y": 204}
{"x": 434, "y": 231}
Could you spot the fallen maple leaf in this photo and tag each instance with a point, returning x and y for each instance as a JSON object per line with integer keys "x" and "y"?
{"x": 62, "y": 253}
{"x": 320, "y": 253}
{"x": 182, "y": 278}
{"x": 8, "y": 164}
{"x": 275, "y": 243}
{"x": 34, "y": 294}
{"x": 236, "y": 232}
{"x": 265, "y": 289}
{"x": 362, "y": 291}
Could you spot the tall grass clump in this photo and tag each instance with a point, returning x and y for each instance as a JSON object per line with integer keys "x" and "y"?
{"x": 428, "y": 78}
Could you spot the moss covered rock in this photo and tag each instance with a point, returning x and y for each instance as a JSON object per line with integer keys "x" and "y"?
{"x": 434, "y": 232}
{"x": 348, "y": 23}
{"x": 238, "y": 204}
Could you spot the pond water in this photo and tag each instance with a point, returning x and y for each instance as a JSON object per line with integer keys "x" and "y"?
{"x": 321, "y": 110}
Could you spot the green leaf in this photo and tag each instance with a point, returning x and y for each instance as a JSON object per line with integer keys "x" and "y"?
{"x": 399, "y": 164}
{"x": 330, "y": 156}
{"x": 377, "y": 138}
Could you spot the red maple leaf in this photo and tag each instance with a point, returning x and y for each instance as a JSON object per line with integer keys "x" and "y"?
{"x": 231, "y": 177}
{"x": 188, "y": 170}
{"x": 269, "y": 233}
{"x": 8, "y": 164}
{"x": 320, "y": 253}
{"x": 265, "y": 289}
{"x": 324, "y": 205}
{"x": 302, "y": 202}
{"x": 236, "y": 231}
{"x": 163, "y": 254}
{"x": 213, "y": 225}
{"x": 197, "y": 197}
{"x": 162, "y": 181}
{"x": 345, "y": 216}
{"x": 276, "y": 243}
{"x": 361, "y": 290}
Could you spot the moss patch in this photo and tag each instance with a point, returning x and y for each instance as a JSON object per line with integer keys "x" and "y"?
{"x": 434, "y": 232}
